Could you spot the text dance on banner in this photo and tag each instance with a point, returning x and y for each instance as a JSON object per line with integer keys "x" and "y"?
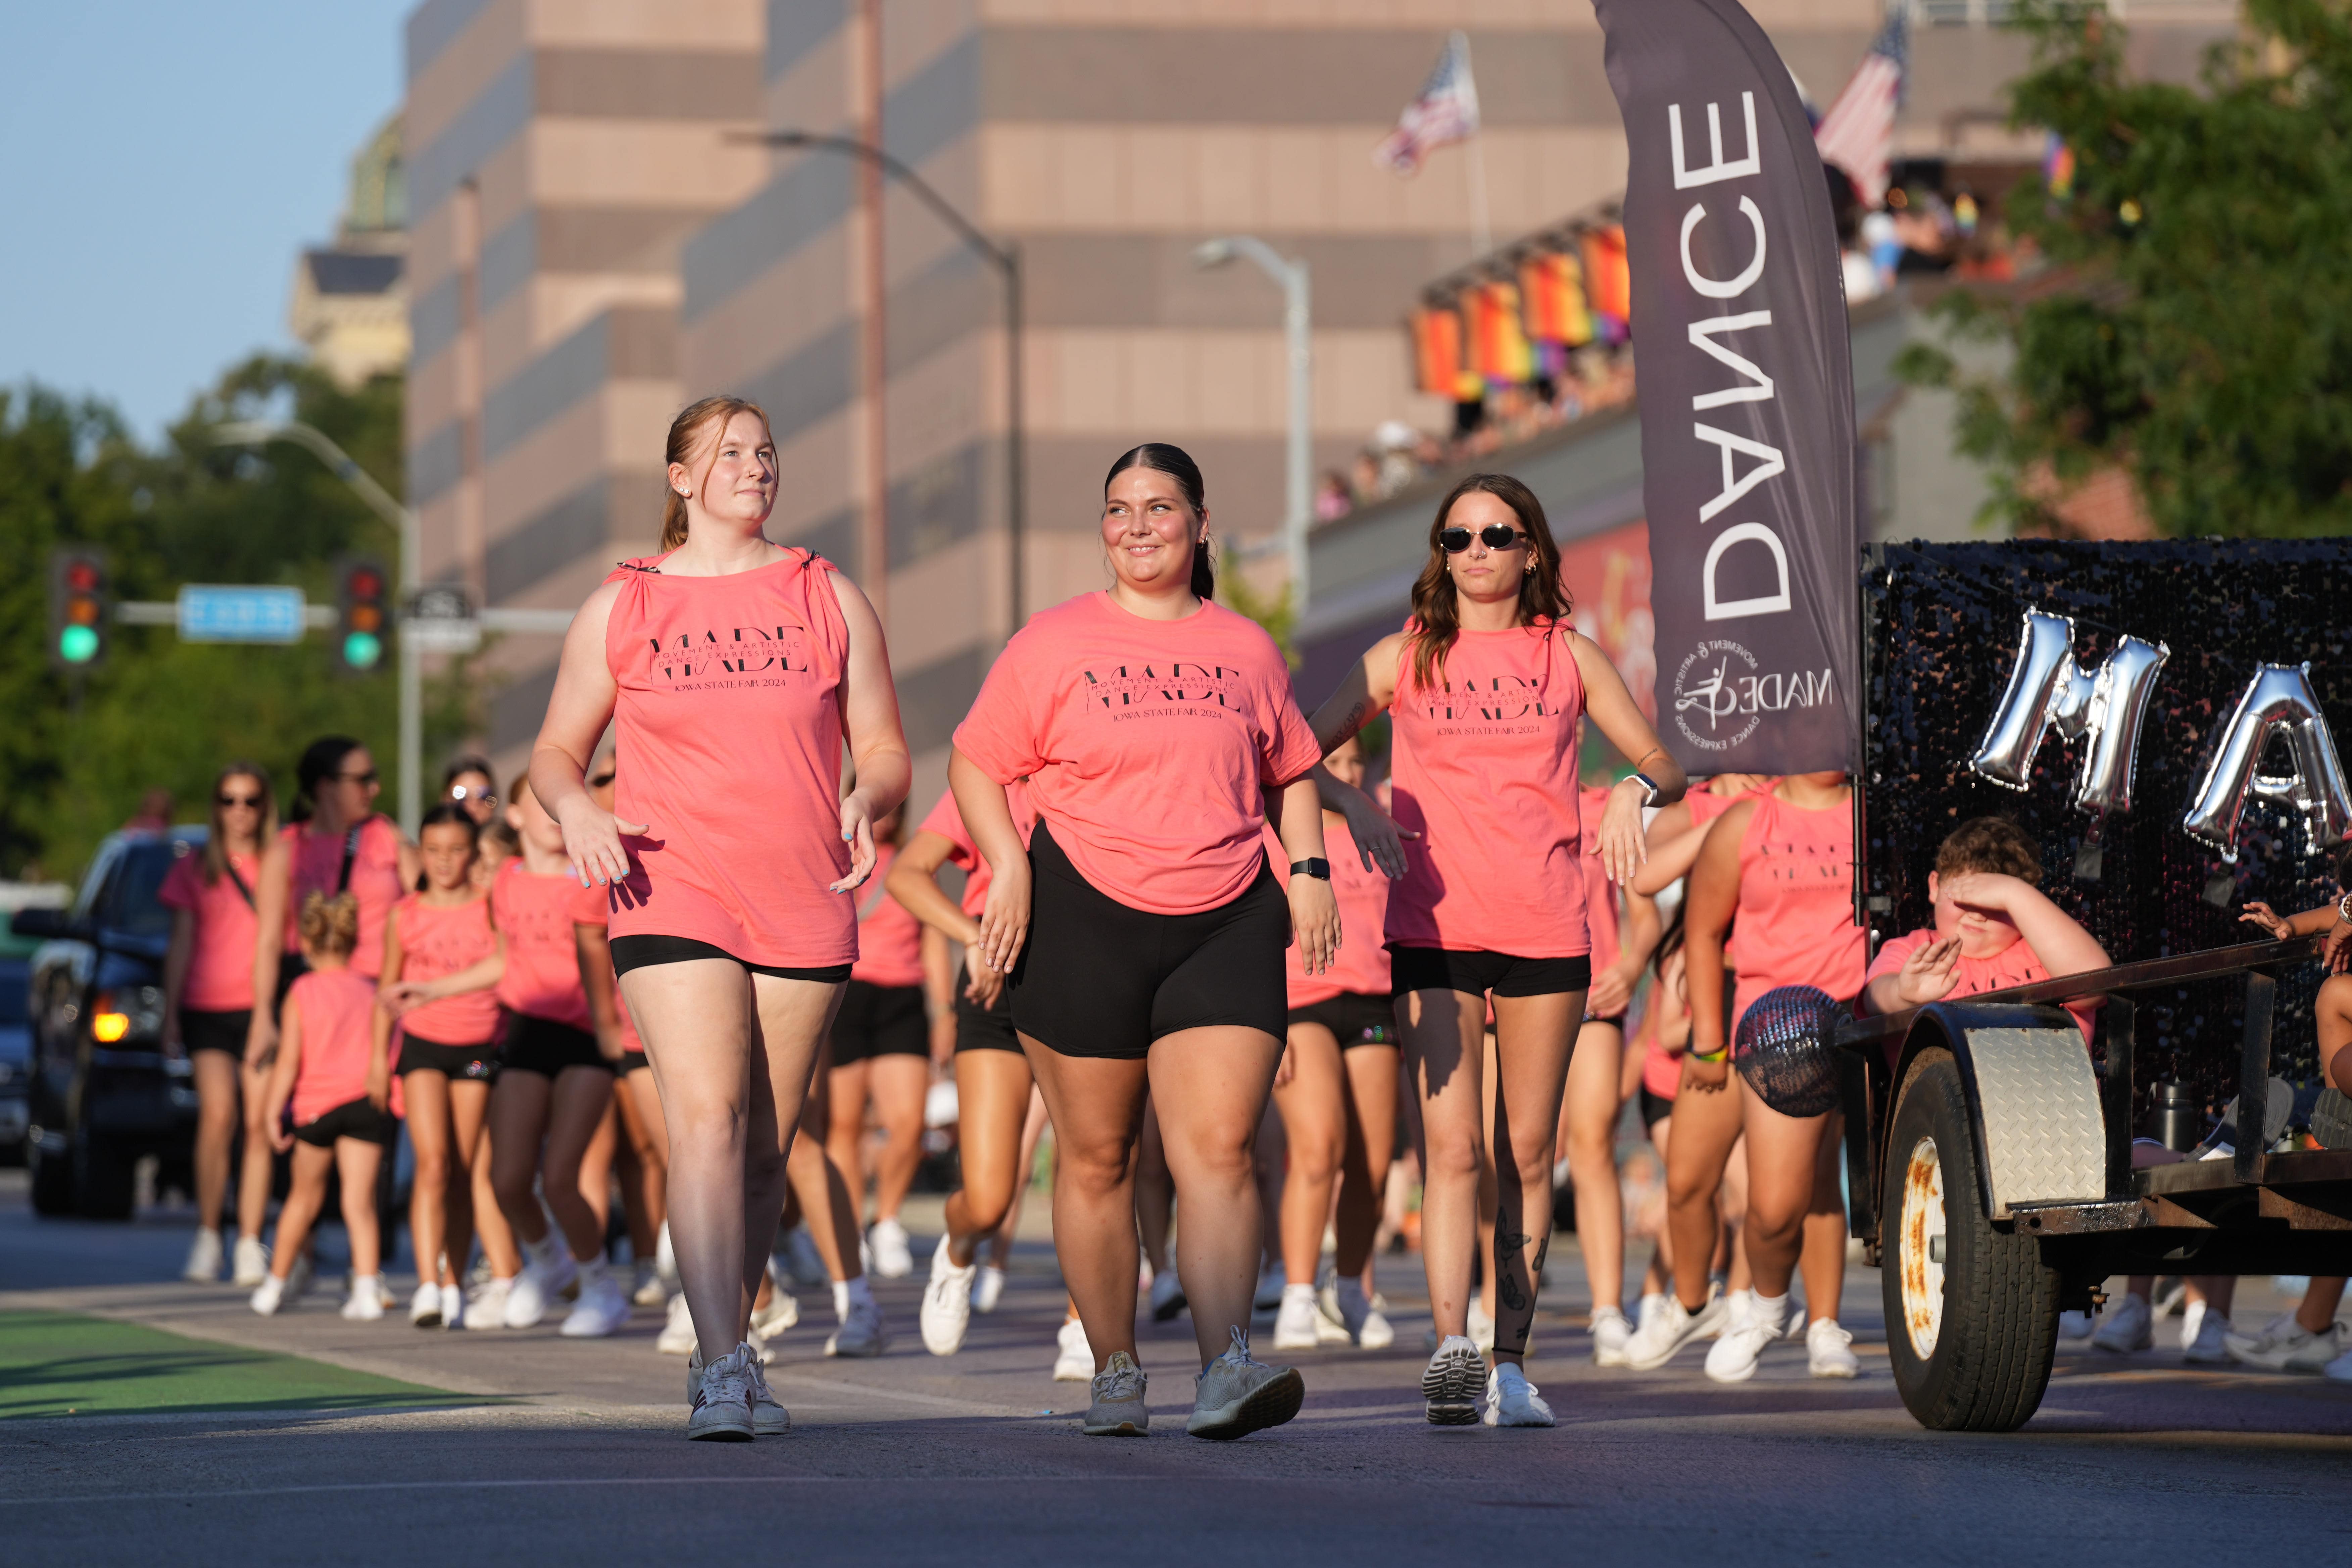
{"x": 1746, "y": 393}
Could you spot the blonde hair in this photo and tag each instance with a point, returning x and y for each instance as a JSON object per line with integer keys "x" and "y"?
{"x": 684, "y": 432}
{"x": 330, "y": 925}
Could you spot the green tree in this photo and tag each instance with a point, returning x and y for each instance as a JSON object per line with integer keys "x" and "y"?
{"x": 2199, "y": 334}
{"x": 78, "y": 753}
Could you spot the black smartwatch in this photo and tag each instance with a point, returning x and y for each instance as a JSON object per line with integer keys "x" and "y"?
{"x": 1315, "y": 868}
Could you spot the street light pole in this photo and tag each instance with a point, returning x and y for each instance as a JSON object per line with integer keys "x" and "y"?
{"x": 261, "y": 432}
{"x": 1003, "y": 255}
{"x": 1297, "y": 323}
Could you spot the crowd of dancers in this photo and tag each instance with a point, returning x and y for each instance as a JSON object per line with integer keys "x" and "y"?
{"x": 1196, "y": 925}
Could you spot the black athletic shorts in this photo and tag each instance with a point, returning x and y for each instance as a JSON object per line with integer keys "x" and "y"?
{"x": 353, "y": 1119}
{"x": 634, "y": 1061}
{"x": 879, "y": 1021}
{"x": 1098, "y": 978}
{"x": 476, "y": 1063}
{"x": 546, "y": 1047}
{"x": 215, "y": 1031}
{"x": 1615, "y": 1021}
{"x": 1353, "y": 1017}
{"x": 979, "y": 1028}
{"x": 638, "y": 951}
{"x": 1476, "y": 973}
{"x": 1655, "y": 1107}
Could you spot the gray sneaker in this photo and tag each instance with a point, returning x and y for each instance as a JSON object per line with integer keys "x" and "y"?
{"x": 1118, "y": 1410}
{"x": 1235, "y": 1395}
{"x": 1454, "y": 1381}
{"x": 769, "y": 1420}
{"x": 721, "y": 1397}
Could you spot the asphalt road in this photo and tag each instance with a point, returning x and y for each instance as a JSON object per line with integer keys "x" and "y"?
{"x": 911, "y": 1458}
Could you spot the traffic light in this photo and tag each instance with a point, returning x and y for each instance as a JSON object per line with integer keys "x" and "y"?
{"x": 363, "y": 618}
{"x": 80, "y": 613}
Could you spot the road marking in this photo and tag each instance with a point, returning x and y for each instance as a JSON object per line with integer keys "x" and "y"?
{"x": 483, "y": 1484}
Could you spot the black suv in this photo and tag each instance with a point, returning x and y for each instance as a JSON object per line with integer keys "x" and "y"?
{"x": 103, "y": 1091}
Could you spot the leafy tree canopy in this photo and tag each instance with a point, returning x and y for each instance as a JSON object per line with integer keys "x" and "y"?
{"x": 2198, "y": 335}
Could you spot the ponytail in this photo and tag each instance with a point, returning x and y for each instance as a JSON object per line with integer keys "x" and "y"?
{"x": 1178, "y": 465}
{"x": 684, "y": 433}
{"x": 1204, "y": 571}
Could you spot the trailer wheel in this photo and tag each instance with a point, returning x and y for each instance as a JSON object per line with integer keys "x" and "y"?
{"x": 1971, "y": 1311}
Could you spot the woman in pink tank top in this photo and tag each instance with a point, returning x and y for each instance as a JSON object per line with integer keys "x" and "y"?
{"x": 1774, "y": 873}
{"x": 1488, "y": 686}
{"x": 734, "y": 670}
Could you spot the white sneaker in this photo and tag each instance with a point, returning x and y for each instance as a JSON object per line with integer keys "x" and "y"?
{"x": 772, "y": 1321}
{"x": 424, "y": 1307}
{"x": 1269, "y": 1291}
{"x": 1647, "y": 1312}
{"x": 1362, "y": 1321}
{"x": 1236, "y": 1394}
{"x": 366, "y": 1301}
{"x": 2132, "y": 1327}
{"x": 1513, "y": 1401}
{"x": 2074, "y": 1325}
{"x": 720, "y": 1399}
{"x": 252, "y": 1264}
{"x": 648, "y": 1290}
{"x": 1451, "y": 1383}
{"x": 1296, "y": 1317}
{"x": 2192, "y": 1323}
{"x": 988, "y": 1289}
{"x": 204, "y": 1265}
{"x": 1654, "y": 1343}
{"x": 862, "y": 1333}
{"x": 1732, "y": 1358}
{"x": 1611, "y": 1334}
{"x": 946, "y": 1314}
{"x": 1118, "y": 1409}
{"x": 1481, "y": 1325}
{"x": 1167, "y": 1296}
{"x": 2340, "y": 1370}
{"x": 2285, "y": 1345}
{"x": 601, "y": 1309}
{"x": 769, "y": 1419}
{"x": 800, "y": 1256}
{"x": 1076, "y": 1363}
{"x": 535, "y": 1290}
{"x": 1829, "y": 1350}
{"x": 269, "y": 1296}
{"x": 453, "y": 1306}
{"x": 2211, "y": 1347}
{"x": 485, "y": 1304}
{"x": 677, "y": 1337}
{"x": 892, "y": 1258}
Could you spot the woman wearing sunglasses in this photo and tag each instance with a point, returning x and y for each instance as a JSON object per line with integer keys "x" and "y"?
{"x": 209, "y": 992}
{"x": 1488, "y": 687}
{"x": 467, "y": 782}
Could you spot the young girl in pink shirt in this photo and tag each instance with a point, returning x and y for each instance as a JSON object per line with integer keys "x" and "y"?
{"x": 333, "y": 1081}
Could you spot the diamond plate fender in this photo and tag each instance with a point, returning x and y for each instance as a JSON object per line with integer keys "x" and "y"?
{"x": 2032, "y": 1097}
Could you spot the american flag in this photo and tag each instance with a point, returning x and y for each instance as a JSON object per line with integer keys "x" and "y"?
{"x": 1858, "y": 132}
{"x": 1447, "y": 110}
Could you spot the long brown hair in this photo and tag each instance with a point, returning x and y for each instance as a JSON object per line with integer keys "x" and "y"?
{"x": 1437, "y": 618}
{"x": 215, "y": 849}
{"x": 684, "y": 432}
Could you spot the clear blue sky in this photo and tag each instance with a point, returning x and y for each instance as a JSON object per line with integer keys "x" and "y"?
{"x": 161, "y": 163}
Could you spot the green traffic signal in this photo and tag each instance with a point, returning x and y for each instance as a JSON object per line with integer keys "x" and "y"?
{"x": 362, "y": 650}
{"x": 77, "y": 644}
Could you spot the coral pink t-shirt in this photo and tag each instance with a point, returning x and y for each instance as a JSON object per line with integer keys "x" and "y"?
{"x": 1662, "y": 1071}
{"x": 318, "y": 860}
{"x": 337, "y": 1007}
{"x": 1600, "y": 892}
{"x": 730, "y": 713}
{"x": 1486, "y": 772}
{"x": 1148, "y": 745}
{"x": 536, "y": 915}
{"x": 1361, "y": 968}
{"x": 1795, "y": 922}
{"x": 220, "y": 963}
{"x": 2016, "y": 964}
{"x": 436, "y": 940}
{"x": 946, "y": 821}
{"x": 889, "y": 939}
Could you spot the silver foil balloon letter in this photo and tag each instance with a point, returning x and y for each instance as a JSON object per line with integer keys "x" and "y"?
{"x": 2279, "y": 698}
{"x": 2047, "y": 689}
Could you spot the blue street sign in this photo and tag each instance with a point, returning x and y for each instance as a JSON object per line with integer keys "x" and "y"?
{"x": 237, "y": 614}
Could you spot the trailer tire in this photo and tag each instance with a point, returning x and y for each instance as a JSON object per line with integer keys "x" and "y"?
{"x": 1970, "y": 1337}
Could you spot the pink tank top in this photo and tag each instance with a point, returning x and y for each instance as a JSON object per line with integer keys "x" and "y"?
{"x": 442, "y": 939}
{"x": 889, "y": 939}
{"x": 536, "y": 916}
{"x": 1485, "y": 766}
{"x": 1795, "y": 923}
{"x": 730, "y": 713}
{"x": 337, "y": 1007}
{"x": 947, "y": 820}
{"x": 1362, "y": 967}
{"x": 318, "y": 862}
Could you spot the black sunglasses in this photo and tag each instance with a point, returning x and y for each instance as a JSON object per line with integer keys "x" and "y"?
{"x": 599, "y": 781}
{"x": 1497, "y": 535}
{"x": 459, "y": 791}
{"x": 368, "y": 777}
{"x": 253, "y": 800}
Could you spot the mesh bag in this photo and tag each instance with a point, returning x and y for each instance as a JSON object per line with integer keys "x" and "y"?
{"x": 1782, "y": 1048}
